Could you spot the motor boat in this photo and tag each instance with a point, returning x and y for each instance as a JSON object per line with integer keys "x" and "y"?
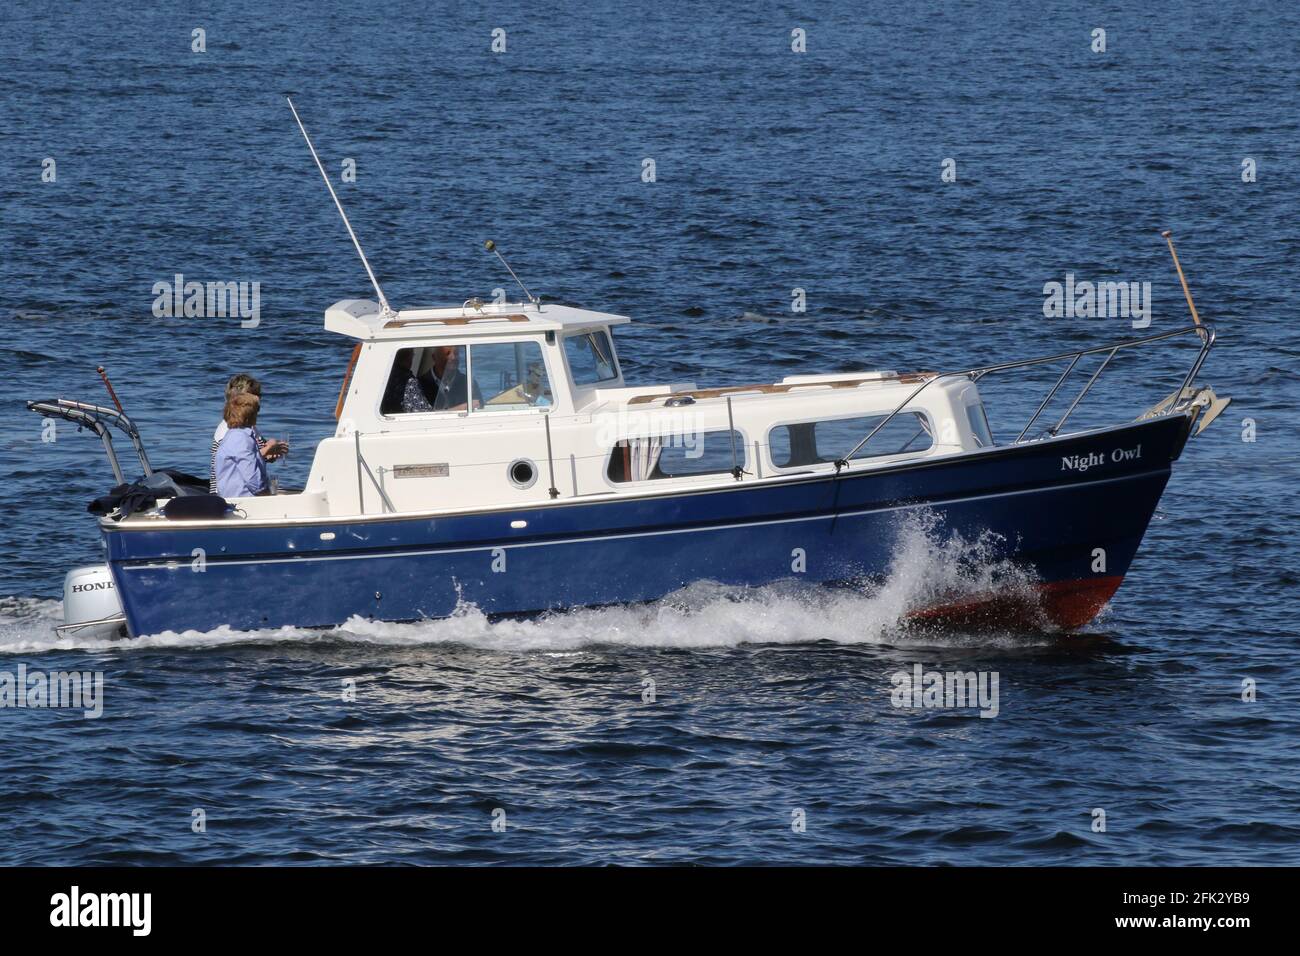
{"x": 538, "y": 479}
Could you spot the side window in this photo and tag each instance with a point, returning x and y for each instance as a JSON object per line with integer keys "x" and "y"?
{"x": 979, "y": 425}
{"x": 427, "y": 379}
{"x": 819, "y": 443}
{"x": 510, "y": 377}
{"x": 591, "y": 357}
{"x": 675, "y": 456}
{"x": 395, "y": 391}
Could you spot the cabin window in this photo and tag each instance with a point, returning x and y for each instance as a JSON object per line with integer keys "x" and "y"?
{"x": 688, "y": 455}
{"x": 591, "y": 357}
{"x": 818, "y": 443}
{"x": 512, "y": 376}
{"x": 979, "y": 425}
{"x": 502, "y": 377}
{"x": 429, "y": 379}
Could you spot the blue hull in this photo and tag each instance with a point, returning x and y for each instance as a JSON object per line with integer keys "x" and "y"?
{"x": 1053, "y": 503}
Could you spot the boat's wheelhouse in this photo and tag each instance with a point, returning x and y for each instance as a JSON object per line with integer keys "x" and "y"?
{"x": 530, "y": 405}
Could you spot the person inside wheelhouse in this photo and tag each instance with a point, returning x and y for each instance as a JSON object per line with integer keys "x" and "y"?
{"x": 446, "y": 386}
{"x": 432, "y": 379}
{"x": 429, "y": 380}
{"x": 404, "y": 393}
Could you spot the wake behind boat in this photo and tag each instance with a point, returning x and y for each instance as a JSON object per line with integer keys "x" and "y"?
{"x": 538, "y": 479}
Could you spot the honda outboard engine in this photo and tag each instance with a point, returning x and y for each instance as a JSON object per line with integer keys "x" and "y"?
{"x": 91, "y": 607}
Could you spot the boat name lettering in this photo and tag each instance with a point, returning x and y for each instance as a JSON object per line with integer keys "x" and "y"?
{"x": 435, "y": 470}
{"x": 1082, "y": 463}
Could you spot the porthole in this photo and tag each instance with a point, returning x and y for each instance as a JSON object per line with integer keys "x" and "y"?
{"x": 522, "y": 473}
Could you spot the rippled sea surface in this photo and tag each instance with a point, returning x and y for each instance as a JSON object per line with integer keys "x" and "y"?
{"x": 774, "y": 171}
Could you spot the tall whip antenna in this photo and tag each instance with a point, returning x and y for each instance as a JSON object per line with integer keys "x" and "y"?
{"x": 1187, "y": 294}
{"x": 383, "y": 302}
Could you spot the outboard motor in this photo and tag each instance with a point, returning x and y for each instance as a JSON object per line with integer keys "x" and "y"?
{"x": 91, "y": 607}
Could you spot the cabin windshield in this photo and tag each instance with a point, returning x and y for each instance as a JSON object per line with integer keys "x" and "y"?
{"x": 591, "y": 357}
{"x": 479, "y": 378}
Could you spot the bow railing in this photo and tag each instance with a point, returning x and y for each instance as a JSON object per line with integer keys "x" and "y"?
{"x": 1204, "y": 330}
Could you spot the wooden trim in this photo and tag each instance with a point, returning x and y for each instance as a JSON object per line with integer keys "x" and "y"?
{"x": 455, "y": 320}
{"x": 909, "y": 378}
{"x": 347, "y": 380}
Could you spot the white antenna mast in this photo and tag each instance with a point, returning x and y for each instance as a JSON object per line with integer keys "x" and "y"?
{"x": 491, "y": 246}
{"x": 383, "y": 302}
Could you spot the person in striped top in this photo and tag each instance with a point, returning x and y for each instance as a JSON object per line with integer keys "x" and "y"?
{"x": 272, "y": 449}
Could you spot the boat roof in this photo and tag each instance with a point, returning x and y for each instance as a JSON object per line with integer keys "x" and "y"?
{"x": 366, "y": 320}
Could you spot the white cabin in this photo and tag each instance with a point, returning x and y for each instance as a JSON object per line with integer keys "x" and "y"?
{"x": 528, "y": 367}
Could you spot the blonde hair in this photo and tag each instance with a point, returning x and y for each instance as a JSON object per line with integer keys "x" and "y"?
{"x": 241, "y": 410}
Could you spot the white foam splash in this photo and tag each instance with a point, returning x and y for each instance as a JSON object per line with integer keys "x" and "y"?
{"x": 27, "y": 624}
{"x": 929, "y": 567}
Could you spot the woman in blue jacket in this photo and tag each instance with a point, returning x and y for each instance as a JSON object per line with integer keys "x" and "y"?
{"x": 241, "y": 469}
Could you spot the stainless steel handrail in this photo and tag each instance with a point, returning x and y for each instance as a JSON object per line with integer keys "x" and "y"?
{"x": 363, "y": 465}
{"x": 121, "y": 420}
{"x": 83, "y": 420}
{"x": 1204, "y": 330}
{"x": 83, "y": 413}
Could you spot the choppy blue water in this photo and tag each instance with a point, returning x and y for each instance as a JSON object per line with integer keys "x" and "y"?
{"x": 774, "y": 171}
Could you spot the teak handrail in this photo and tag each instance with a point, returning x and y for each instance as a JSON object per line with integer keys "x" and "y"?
{"x": 347, "y": 380}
